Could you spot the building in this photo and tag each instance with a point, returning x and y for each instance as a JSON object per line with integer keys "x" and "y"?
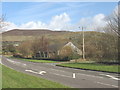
{"x": 71, "y": 46}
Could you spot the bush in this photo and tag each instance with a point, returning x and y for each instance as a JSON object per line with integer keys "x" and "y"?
{"x": 17, "y": 56}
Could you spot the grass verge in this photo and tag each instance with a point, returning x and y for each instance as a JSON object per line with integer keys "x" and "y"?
{"x": 14, "y": 79}
{"x": 41, "y": 61}
{"x": 34, "y": 60}
{"x": 93, "y": 66}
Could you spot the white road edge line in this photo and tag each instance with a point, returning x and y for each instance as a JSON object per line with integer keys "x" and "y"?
{"x": 7, "y": 66}
{"x": 79, "y": 74}
{"x": 57, "y": 70}
{"x": 107, "y": 84}
{"x": 15, "y": 62}
{"x": 90, "y": 75}
{"x": 61, "y": 75}
{"x": 73, "y": 75}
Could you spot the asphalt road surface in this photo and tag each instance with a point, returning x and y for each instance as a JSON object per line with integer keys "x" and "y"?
{"x": 75, "y": 78}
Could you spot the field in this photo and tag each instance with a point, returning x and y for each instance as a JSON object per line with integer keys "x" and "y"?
{"x": 93, "y": 66}
{"x": 14, "y": 79}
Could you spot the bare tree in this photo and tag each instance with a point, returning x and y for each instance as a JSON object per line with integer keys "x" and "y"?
{"x": 114, "y": 21}
{"x": 24, "y": 49}
{"x": 3, "y": 24}
{"x": 40, "y": 45}
{"x": 2, "y": 19}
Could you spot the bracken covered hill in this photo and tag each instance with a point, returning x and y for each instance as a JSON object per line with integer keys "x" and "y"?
{"x": 100, "y": 45}
{"x": 30, "y": 32}
{"x": 24, "y": 34}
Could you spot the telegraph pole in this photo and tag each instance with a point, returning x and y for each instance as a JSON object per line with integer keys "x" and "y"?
{"x": 83, "y": 43}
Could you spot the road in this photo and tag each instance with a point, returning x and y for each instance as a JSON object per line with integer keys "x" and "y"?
{"x": 75, "y": 78}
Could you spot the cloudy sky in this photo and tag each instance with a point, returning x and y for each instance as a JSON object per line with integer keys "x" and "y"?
{"x": 56, "y": 15}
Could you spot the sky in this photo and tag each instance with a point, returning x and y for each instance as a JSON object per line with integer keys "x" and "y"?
{"x": 56, "y": 15}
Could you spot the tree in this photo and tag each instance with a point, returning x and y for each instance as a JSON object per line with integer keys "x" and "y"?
{"x": 101, "y": 46}
{"x": 66, "y": 52}
{"x": 1, "y": 21}
{"x": 8, "y": 48}
{"x": 3, "y": 24}
{"x": 40, "y": 47}
{"x": 35, "y": 47}
{"x": 24, "y": 49}
{"x": 114, "y": 21}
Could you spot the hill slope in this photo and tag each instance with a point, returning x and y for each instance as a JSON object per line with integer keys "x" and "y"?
{"x": 30, "y": 32}
{"x": 21, "y": 35}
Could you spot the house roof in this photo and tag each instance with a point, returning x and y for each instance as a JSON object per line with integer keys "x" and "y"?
{"x": 74, "y": 48}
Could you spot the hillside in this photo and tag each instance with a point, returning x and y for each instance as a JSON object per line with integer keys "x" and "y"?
{"x": 31, "y": 32}
{"x": 97, "y": 44}
{"x": 20, "y": 35}
{"x": 75, "y": 37}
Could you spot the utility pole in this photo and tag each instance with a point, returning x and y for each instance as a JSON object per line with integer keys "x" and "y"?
{"x": 83, "y": 43}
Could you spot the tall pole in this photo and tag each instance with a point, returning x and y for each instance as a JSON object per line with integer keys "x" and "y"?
{"x": 83, "y": 51}
{"x": 83, "y": 44}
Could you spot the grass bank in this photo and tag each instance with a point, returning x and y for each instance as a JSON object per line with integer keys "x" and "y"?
{"x": 34, "y": 60}
{"x": 93, "y": 66}
{"x": 14, "y": 79}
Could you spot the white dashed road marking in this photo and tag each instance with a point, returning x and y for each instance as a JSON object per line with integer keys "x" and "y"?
{"x": 73, "y": 75}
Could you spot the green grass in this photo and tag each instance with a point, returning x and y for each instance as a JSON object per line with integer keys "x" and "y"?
{"x": 14, "y": 79}
{"x": 33, "y": 60}
{"x": 93, "y": 66}
{"x": 41, "y": 61}
{"x": 0, "y": 76}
